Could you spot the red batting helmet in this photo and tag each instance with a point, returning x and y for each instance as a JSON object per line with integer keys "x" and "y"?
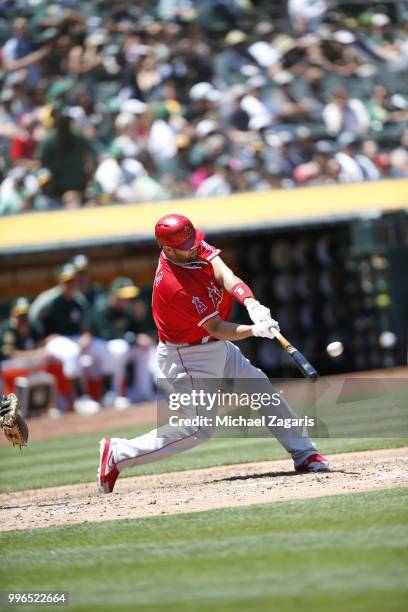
{"x": 178, "y": 232}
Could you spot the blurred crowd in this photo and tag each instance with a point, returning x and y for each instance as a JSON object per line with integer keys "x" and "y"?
{"x": 110, "y": 102}
{"x": 96, "y": 337}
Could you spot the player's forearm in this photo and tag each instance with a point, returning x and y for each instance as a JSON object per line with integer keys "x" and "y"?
{"x": 225, "y": 330}
{"x": 230, "y": 280}
{"x": 232, "y": 283}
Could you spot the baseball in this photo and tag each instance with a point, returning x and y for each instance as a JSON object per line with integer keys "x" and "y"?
{"x": 387, "y": 339}
{"x": 335, "y": 349}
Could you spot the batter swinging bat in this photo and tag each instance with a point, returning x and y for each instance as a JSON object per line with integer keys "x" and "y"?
{"x": 302, "y": 363}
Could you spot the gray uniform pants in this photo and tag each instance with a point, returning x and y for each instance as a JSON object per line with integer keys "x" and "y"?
{"x": 182, "y": 365}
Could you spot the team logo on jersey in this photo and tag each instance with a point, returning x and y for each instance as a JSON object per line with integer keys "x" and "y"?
{"x": 215, "y": 294}
{"x": 201, "y": 307}
{"x": 159, "y": 276}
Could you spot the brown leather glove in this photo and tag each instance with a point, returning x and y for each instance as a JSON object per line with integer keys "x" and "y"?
{"x": 14, "y": 426}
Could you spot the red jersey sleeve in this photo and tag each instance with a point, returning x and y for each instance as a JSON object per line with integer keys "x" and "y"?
{"x": 196, "y": 309}
{"x": 207, "y": 252}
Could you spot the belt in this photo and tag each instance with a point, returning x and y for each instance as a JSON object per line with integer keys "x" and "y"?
{"x": 205, "y": 340}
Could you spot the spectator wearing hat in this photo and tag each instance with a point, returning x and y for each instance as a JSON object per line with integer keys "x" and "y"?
{"x": 263, "y": 51}
{"x": 334, "y": 52}
{"x": 113, "y": 320}
{"x": 378, "y": 39}
{"x": 62, "y": 313}
{"x": 61, "y": 310}
{"x": 18, "y": 337}
{"x": 202, "y": 96}
{"x": 234, "y": 56}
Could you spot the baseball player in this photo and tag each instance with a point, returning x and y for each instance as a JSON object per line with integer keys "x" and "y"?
{"x": 193, "y": 291}
{"x": 113, "y": 319}
{"x": 62, "y": 313}
{"x": 19, "y": 337}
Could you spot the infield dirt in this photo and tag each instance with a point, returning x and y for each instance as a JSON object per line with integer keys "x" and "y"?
{"x": 204, "y": 489}
{"x": 243, "y": 484}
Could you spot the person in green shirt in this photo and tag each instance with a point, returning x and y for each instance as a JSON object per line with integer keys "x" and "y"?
{"x": 61, "y": 310}
{"x": 62, "y": 313}
{"x": 18, "y": 337}
{"x": 91, "y": 290}
{"x": 68, "y": 155}
{"x": 113, "y": 319}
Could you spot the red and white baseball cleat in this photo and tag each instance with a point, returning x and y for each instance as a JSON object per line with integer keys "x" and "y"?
{"x": 107, "y": 471}
{"x": 314, "y": 463}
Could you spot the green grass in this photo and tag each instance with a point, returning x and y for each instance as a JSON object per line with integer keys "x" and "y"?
{"x": 74, "y": 459}
{"x": 343, "y": 553}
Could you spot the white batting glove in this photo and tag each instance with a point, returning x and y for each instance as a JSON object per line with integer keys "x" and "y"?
{"x": 258, "y": 312}
{"x": 265, "y": 329}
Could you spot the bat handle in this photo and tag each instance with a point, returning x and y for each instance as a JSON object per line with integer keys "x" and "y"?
{"x": 285, "y": 343}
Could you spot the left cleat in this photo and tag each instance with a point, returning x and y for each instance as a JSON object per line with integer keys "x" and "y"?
{"x": 314, "y": 463}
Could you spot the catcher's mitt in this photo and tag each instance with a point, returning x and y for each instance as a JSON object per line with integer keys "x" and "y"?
{"x": 14, "y": 426}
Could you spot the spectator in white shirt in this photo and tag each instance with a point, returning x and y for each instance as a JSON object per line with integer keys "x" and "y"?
{"x": 306, "y": 15}
{"x": 345, "y": 114}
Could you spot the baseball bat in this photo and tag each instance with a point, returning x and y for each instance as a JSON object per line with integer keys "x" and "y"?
{"x": 300, "y": 360}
